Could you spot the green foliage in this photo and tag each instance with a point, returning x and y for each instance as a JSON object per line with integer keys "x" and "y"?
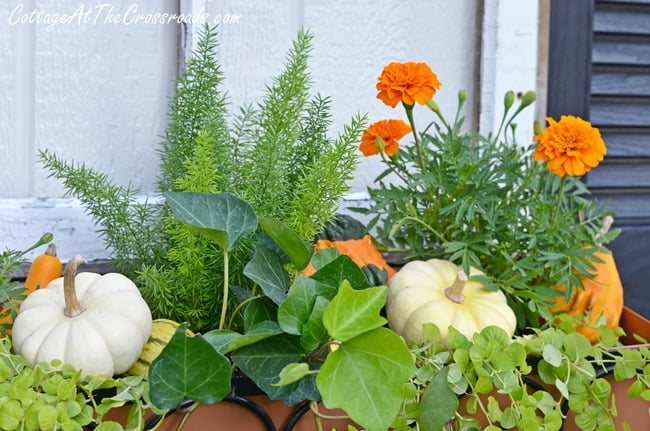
{"x": 54, "y": 396}
{"x": 566, "y": 362}
{"x": 483, "y": 201}
{"x": 198, "y": 108}
{"x": 276, "y": 154}
{"x": 129, "y": 228}
{"x": 12, "y": 293}
{"x": 191, "y": 368}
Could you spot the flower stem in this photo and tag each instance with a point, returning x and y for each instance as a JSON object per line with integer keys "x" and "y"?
{"x": 418, "y": 143}
{"x": 560, "y": 198}
{"x": 224, "y": 304}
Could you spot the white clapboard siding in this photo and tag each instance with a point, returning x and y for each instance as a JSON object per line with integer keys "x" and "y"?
{"x": 98, "y": 93}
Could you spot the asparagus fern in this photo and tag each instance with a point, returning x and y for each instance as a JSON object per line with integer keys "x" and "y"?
{"x": 276, "y": 155}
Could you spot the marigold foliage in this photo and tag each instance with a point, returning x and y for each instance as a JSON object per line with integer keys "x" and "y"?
{"x": 484, "y": 201}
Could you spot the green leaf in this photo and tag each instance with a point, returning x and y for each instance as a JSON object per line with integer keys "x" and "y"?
{"x": 324, "y": 256}
{"x": 552, "y": 355}
{"x": 259, "y": 310}
{"x": 266, "y": 269}
{"x": 263, "y": 362}
{"x": 258, "y": 332}
{"x": 438, "y": 405}
{"x": 11, "y": 414}
{"x": 587, "y": 419}
{"x": 576, "y": 346}
{"x": 188, "y": 367}
{"x": 314, "y": 332}
{"x": 46, "y": 417}
{"x": 332, "y": 275}
{"x": 296, "y": 309}
{"x": 635, "y": 389}
{"x": 219, "y": 339}
{"x": 353, "y": 312}
{"x": 109, "y": 426}
{"x": 365, "y": 376}
{"x": 289, "y": 241}
{"x": 292, "y": 373}
{"x": 562, "y": 387}
{"x": 509, "y": 418}
{"x": 222, "y": 217}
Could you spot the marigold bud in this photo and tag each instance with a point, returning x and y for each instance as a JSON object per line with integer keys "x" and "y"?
{"x": 527, "y": 99}
{"x": 509, "y": 99}
{"x": 462, "y": 96}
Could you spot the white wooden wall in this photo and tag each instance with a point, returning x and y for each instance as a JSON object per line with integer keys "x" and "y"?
{"x": 98, "y": 92}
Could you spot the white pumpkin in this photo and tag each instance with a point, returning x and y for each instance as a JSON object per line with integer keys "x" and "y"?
{"x": 97, "y": 323}
{"x": 438, "y": 292}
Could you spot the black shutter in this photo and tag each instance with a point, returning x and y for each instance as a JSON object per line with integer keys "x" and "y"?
{"x": 599, "y": 69}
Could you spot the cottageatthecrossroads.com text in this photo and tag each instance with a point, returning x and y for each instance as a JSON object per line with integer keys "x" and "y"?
{"x": 107, "y": 13}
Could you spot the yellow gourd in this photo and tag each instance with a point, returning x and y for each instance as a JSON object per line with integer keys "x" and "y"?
{"x": 438, "y": 292}
{"x": 162, "y": 330}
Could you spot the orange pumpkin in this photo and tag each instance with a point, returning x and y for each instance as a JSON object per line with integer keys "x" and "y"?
{"x": 601, "y": 294}
{"x": 45, "y": 268}
{"x": 348, "y": 236}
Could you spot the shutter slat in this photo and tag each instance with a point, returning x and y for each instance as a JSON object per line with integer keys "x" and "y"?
{"x": 635, "y": 53}
{"x": 626, "y": 204}
{"x": 626, "y": 144}
{"x": 638, "y": 2}
{"x": 620, "y": 83}
{"x": 615, "y": 175}
{"x": 606, "y": 113}
{"x": 622, "y": 21}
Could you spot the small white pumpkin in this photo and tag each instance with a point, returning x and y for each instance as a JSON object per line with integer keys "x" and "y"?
{"x": 438, "y": 291}
{"x": 97, "y": 323}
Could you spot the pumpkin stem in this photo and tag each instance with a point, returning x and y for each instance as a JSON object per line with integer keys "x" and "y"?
{"x": 72, "y": 305}
{"x": 607, "y": 225}
{"x": 51, "y": 250}
{"x": 455, "y": 291}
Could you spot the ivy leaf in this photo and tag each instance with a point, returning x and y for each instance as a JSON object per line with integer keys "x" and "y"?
{"x": 258, "y": 332}
{"x": 324, "y": 256}
{"x": 332, "y": 275}
{"x": 313, "y": 331}
{"x": 265, "y": 360}
{"x": 188, "y": 367}
{"x": 438, "y": 405}
{"x": 353, "y": 312}
{"x": 258, "y": 310}
{"x": 220, "y": 339}
{"x": 222, "y": 217}
{"x": 266, "y": 269}
{"x": 289, "y": 241}
{"x": 296, "y": 309}
{"x": 365, "y": 375}
{"x": 292, "y": 373}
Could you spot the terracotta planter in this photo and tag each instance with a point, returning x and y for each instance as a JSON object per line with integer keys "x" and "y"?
{"x": 634, "y": 411}
{"x": 252, "y": 412}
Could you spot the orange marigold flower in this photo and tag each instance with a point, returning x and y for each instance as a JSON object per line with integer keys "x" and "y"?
{"x": 390, "y": 131}
{"x": 407, "y": 82}
{"x": 571, "y": 146}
